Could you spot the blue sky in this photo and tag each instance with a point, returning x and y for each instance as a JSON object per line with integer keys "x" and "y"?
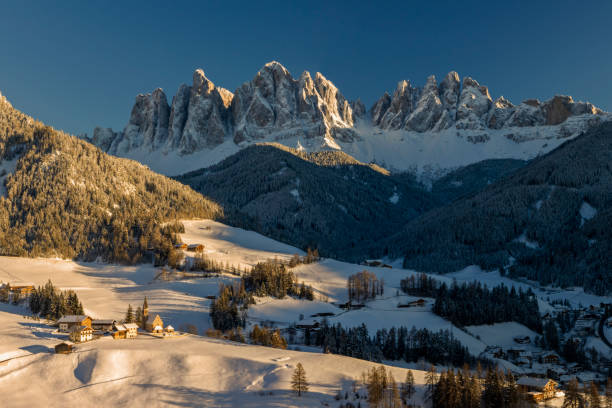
{"x": 78, "y": 64}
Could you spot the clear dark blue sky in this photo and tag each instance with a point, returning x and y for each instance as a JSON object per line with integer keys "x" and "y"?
{"x": 77, "y": 64}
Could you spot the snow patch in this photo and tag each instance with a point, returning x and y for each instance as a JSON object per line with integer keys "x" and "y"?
{"x": 394, "y": 199}
{"x": 587, "y": 212}
{"x": 7, "y": 167}
{"x": 524, "y": 240}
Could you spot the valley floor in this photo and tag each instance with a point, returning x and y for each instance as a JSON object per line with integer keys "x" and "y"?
{"x": 192, "y": 370}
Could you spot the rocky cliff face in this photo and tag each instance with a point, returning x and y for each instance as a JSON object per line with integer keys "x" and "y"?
{"x": 310, "y": 111}
{"x": 275, "y": 104}
{"x": 467, "y": 105}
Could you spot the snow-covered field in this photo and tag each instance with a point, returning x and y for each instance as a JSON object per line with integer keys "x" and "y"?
{"x": 194, "y": 370}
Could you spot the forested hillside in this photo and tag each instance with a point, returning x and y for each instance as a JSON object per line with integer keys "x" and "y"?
{"x": 549, "y": 221}
{"x": 325, "y": 200}
{"x": 61, "y": 196}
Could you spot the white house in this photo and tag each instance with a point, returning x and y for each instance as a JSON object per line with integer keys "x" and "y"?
{"x": 131, "y": 330}
{"x": 81, "y": 334}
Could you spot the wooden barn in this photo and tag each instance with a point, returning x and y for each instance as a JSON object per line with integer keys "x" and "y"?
{"x": 102, "y": 324}
{"x": 119, "y": 332}
{"x": 195, "y": 247}
{"x": 67, "y": 323}
{"x": 64, "y": 348}
{"x": 539, "y": 389}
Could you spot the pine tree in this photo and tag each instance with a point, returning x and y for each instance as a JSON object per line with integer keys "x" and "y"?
{"x": 299, "y": 383}
{"x": 593, "y": 396}
{"x": 608, "y": 394}
{"x": 431, "y": 379}
{"x": 129, "y": 315}
{"x": 408, "y": 387}
{"x": 573, "y": 398}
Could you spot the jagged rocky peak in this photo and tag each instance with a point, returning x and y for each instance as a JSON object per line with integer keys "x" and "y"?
{"x": 380, "y": 108}
{"x": 359, "y": 109}
{"x": 206, "y": 116}
{"x": 474, "y": 104}
{"x": 429, "y": 112}
{"x": 276, "y": 105}
{"x": 401, "y": 106}
{"x": 148, "y": 124}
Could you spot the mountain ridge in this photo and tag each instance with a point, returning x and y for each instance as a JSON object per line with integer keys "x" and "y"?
{"x": 311, "y": 112}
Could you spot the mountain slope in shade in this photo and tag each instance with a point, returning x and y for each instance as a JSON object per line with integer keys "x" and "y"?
{"x": 64, "y": 197}
{"x": 427, "y": 130}
{"x": 549, "y": 221}
{"x": 325, "y": 200}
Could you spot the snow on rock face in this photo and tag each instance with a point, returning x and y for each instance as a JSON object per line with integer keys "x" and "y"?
{"x": 274, "y": 103}
{"x": 148, "y": 124}
{"x": 206, "y": 120}
{"x": 206, "y": 124}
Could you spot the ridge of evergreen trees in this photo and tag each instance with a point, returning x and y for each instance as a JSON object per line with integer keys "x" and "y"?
{"x": 472, "y": 303}
{"x": 393, "y": 344}
{"x": 67, "y": 198}
{"x": 273, "y": 278}
{"x": 52, "y": 303}
{"x": 228, "y": 310}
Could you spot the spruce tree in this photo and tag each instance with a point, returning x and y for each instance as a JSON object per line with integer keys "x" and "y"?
{"x": 408, "y": 387}
{"x": 593, "y": 396}
{"x": 129, "y": 315}
{"x": 573, "y": 398}
{"x": 299, "y": 383}
{"x": 431, "y": 379}
{"x": 608, "y": 394}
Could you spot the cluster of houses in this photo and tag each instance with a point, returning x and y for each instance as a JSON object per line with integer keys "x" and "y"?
{"x": 81, "y": 328}
{"x": 190, "y": 247}
{"x": 16, "y": 291}
{"x": 543, "y": 371}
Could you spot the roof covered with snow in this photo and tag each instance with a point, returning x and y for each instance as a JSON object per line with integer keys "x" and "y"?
{"x": 72, "y": 319}
{"x": 533, "y": 382}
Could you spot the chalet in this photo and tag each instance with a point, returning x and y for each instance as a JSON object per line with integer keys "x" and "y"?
{"x": 131, "y": 330}
{"x": 539, "y": 389}
{"x": 180, "y": 246}
{"x": 195, "y": 247}
{"x": 377, "y": 263}
{"x": 515, "y": 353}
{"x": 153, "y": 322}
{"x": 102, "y": 324}
{"x": 522, "y": 339}
{"x": 169, "y": 329}
{"x": 64, "y": 348}
{"x": 21, "y": 290}
{"x": 81, "y": 333}
{"x": 550, "y": 358}
{"x": 120, "y": 332}
{"x": 67, "y": 323}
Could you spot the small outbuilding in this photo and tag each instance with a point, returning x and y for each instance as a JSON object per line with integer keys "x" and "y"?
{"x": 102, "y": 324}
{"x": 64, "y": 348}
{"x": 195, "y": 247}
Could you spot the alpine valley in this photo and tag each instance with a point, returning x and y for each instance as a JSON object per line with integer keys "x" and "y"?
{"x": 282, "y": 246}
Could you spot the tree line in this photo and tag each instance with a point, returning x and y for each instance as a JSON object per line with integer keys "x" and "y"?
{"x": 393, "y": 344}
{"x": 473, "y": 303}
{"x": 52, "y": 303}
{"x": 364, "y": 285}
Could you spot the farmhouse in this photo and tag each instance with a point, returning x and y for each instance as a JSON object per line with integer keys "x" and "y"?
{"x": 21, "y": 290}
{"x": 81, "y": 334}
{"x": 67, "y": 323}
{"x": 539, "y": 389}
{"x": 195, "y": 247}
{"x": 180, "y": 246}
{"x": 550, "y": 358}
{"x": 120, "y": 332}
{"x": 131, "y": 330}
{"x": 102, "y": 324}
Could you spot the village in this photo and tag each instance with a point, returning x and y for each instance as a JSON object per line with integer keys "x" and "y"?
{"x": 82, "y": 328}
